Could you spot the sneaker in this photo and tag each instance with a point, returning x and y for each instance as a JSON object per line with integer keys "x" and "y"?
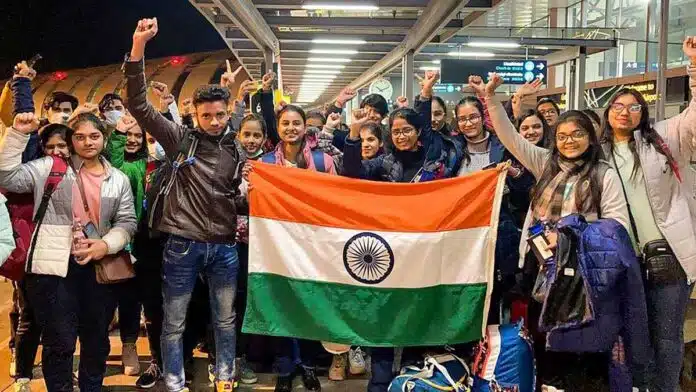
{"x": 21, "y": 385}
{"x": 224, "y": 386}
{"x": 148, "y": 379}
{"x": 337, "y": 372}
{"x": 284, "y": 384}
{"x": 356, "y": 360}
{"x": 13, "y": 363}
{"x": 245, "y": 372}
{"x": 310, "y": 380}
{"x": 129, "y": 358}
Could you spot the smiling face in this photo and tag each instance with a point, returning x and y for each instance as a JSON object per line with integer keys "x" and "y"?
{"x": 469, "y": 121}
{"x": 291, "y": 127}
{"x": 532, "y": 129}
{"x": 56, "y": 145}
{"x": 404, "y": 135}
{"x": 370, "y": 143}
{"x": 438, "y": 116}
{"x": 251, "y": 137}
{"x": 134, "y": 139}
{"x": 625, "y": 114}
{"x": 571, "y": 140}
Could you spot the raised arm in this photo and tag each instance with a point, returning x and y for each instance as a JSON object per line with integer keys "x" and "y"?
{"x": 268, "y": 108}
{"x": 530, "y": 156}
{"x": 680, "y": 130}
{"x": 15, "y": 176}
{"x": 167, "y": 133}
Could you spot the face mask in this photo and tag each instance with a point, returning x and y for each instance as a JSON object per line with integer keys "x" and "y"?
{"x": 59, "y": 118}
{"x": 156, "y": 151}
{"x": 112, "y": 117}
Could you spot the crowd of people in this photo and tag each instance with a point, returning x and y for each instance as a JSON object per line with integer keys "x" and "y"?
{"x": 138, "y": 205}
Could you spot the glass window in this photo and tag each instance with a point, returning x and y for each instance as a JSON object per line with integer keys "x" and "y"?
{"x": 595, "y": 13}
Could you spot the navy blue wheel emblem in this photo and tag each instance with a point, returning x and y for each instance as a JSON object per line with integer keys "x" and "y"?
{"x": 368, "y": 258}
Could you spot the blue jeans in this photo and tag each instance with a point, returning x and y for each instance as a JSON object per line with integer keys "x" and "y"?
{"x": 666, "y": 312}
{"x": 184, "y": 259}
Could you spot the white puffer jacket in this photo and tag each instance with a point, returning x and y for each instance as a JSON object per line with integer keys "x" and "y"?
{"x": 52, "y": 244}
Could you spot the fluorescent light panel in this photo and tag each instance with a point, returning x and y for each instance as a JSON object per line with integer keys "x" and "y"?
{"x": 429, "y": 68}
{"x": 326, "y": 66}
{"x": 340, "y": 7}
{"x": 484, "y": 44}
{"x": 330, "y": 41}
{"x": 333, "y": 51}
{"x": 329, "y": 59}
{"x": 471, "y": 54}
{"x": 322, "y": 71}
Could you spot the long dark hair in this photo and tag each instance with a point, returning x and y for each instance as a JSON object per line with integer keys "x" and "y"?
{"x": 472, "y": 101}
{"x": 591, "y": 157}
{"x": 545, "y": 140}
{"x": 95, "y": 121}
{"x": 301, "y": 162}
{"x": 647, "y": 132}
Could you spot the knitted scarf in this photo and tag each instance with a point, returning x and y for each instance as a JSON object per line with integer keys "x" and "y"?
{"x": 556, "y": 199}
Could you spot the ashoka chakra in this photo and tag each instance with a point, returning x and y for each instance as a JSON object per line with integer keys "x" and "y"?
{"x": 368, "y": 258}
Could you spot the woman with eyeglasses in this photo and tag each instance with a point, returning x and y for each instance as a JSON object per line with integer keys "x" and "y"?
{"x": 571, "y": 179}
{"x": 658, "y": 184}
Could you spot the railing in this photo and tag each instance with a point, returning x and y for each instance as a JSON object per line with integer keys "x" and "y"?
{"x": 587, "y": 33}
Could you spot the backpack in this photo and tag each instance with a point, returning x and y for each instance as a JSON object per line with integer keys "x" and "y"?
{"x": 504, "y": 360}
{"x": 446, "y": 372}
{"x": 317, "y": 157}
{"x": 162, "y": 179}
{"x": 21, "y": 208}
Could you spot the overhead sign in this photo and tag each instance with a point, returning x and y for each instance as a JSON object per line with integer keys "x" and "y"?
{"x": 512, "y": 71}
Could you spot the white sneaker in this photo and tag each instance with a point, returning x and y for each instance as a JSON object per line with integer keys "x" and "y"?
{"x": 21, "y": 385}
{"x": 356, "y": 359}
{"x": 129, "y": 357}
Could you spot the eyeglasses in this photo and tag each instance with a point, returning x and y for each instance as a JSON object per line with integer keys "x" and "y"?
{"x": 404, "y": 132}
{"x": 577, "y": 135}
{"x": 632, "y": 108}
{"x": 473, "y": 119}
{"x": 549, "y": 111}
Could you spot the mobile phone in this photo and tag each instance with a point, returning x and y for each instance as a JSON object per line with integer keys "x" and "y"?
{"x": 91, "y": 231}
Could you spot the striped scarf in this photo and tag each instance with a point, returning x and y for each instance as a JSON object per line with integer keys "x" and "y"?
{"x": 556, "y": 201}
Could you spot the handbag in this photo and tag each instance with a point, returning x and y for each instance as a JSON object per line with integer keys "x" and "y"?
{"x": 111, "y": 268}
{"x": 445, "y": 372}
{"x": 660, "y": 265}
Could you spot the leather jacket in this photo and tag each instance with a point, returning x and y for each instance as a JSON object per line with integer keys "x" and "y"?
{"x": 204, "y": 201}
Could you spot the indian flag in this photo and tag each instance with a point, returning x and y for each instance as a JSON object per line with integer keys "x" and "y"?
{"x": 371, "y": 263}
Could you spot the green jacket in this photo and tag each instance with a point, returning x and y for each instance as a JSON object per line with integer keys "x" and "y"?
{"x": 134, "y": 170}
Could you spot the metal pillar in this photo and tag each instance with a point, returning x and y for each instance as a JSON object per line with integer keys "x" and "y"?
{"x": 407, "y": 76}
{"x": 575, "y": 81}
{"x": 662, "y": 62}
{"x": 267, "y": 60}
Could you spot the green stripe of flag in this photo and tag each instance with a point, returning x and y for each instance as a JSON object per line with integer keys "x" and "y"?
{"x": 367, "y": 316}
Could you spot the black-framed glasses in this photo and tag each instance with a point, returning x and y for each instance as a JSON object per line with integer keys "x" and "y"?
{"x": 405, "y": 132}
{"x": 473, "y": 119}
{"x": 576, "y": 135}
{"x": 548, "y": 111}
{"x": 619, "y": 107}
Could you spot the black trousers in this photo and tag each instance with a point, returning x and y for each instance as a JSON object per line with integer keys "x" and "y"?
{"x": 26, "y": 334}
{"x": 148, "y": 283}
{"x": 68, "y": 308}
{"x": 128, "y": 305}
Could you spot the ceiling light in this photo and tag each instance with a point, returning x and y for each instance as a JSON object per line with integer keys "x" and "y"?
{"x": 484, "y": 44}
{"x": 326, "y": 66}
{"x": 429, "y": 68}
{"x": 333, "y": 51}
{"x": 471, "y": 54}
{"x": 330, "y": 59}
{"x": 308, "y": 73}
{"x": 340, "y": 7}
{"x": 436, "y": 61}
{"x": 339, "y": 41}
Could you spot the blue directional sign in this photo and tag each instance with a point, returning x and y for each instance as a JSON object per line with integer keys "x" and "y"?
{"x": 512, "y": 71}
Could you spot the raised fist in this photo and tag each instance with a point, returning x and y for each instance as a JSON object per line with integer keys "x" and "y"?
{"x": 346, "y": 95}
{"x": 23, "y": 70}
{"x": 359, "y": 117}
{"x": 267, "y": 81}
{"x": 125, "y": 123}
{"x": 160, "y": 89}
{"x": 402, "y": 102}
{"x": 25, "y": 123}
{"x": 86, "y": 107}
{"x": 333, "y": 121}
{"x": 689, "y": 48}
{"x": 145, "y": 31}
{"x": 187, "y": 107}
